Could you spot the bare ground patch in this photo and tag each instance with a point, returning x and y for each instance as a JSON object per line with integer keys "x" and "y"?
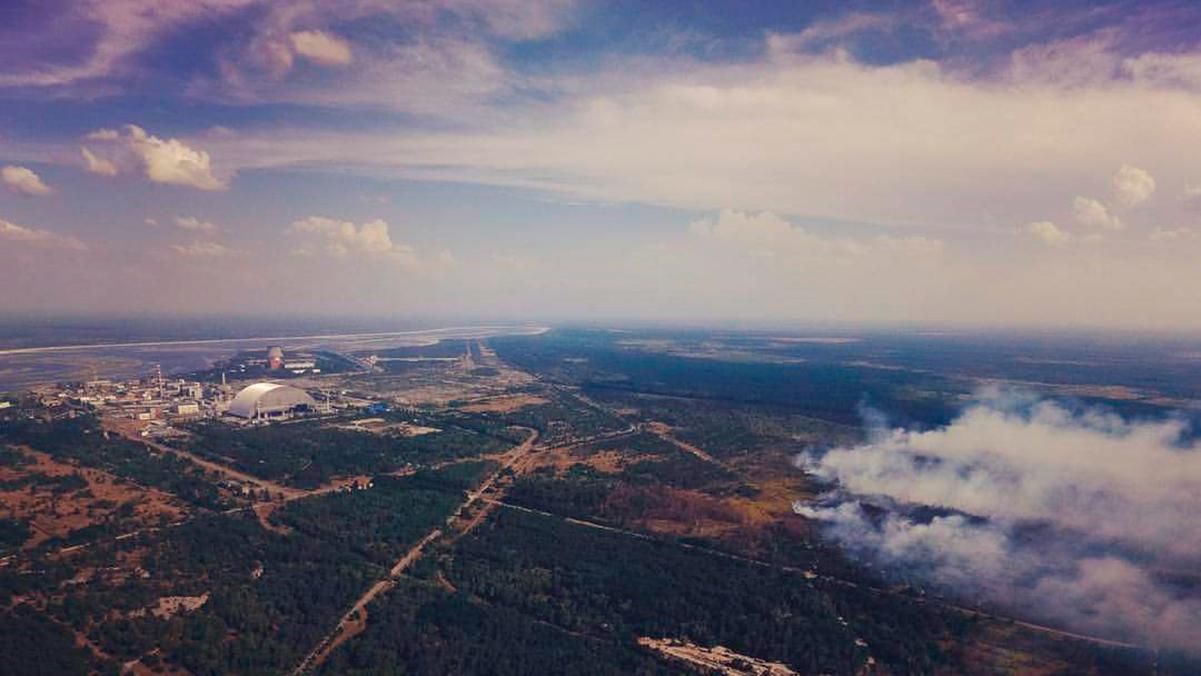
{"x": 56, "y": 498}
{"x": 504, "y": 404}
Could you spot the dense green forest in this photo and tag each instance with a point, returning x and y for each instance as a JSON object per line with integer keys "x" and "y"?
{"x": 616, "y": 587}
{"x": 421, "y": 628}
{"x": 309, "y": 453}
{"x": 31, "y": 643}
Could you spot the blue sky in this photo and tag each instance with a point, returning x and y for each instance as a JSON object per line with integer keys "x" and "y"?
{"x": 950, "y": 161}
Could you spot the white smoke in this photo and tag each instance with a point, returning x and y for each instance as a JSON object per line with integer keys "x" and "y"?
{"x": 1076, "y": 516}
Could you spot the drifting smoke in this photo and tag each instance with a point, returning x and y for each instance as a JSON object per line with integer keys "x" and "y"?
{"x": 1077, "y": 517}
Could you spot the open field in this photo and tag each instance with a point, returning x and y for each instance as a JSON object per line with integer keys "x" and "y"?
{"x": 503, "y": 404}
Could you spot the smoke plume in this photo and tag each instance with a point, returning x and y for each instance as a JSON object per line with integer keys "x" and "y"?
{"x": 1071, "y": 515}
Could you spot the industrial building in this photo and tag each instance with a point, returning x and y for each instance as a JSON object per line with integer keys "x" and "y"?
{"x": 265, "y": 401}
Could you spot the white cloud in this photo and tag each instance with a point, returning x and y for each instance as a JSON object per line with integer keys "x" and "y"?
{"x": 193, "y": 223}
{"x": 824, "y": 34}
{"x": 18, "y": 233}
{"x": 1047, "y": 232}
{"x": 766, "y": 234}
{"x": 1077, "y": 510}
{"x": 201, "y": 250}
{"x": 97, "y": 165}
{"x": 321, "y": 48}
{"x": 344, "y": 238}
{"x": 168, "y": 161}
{"x": 1132, "y": 186}
{"x": 1093, "y": 213}
{"x": 103, "y": 135}
{"x": 23, "y": 181}
{"x": 1180, "y": 70}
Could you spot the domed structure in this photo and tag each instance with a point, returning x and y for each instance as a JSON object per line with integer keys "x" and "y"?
{"x": 262, "y": 401}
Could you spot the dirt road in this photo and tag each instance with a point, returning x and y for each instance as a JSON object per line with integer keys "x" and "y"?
{"x": 353, "y": 621}
{"x": 229, "y": 472}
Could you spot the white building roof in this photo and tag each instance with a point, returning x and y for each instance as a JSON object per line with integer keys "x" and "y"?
{"x": 267, "y": 398}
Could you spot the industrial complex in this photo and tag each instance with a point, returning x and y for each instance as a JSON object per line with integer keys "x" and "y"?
{"x": 160, "y": 401}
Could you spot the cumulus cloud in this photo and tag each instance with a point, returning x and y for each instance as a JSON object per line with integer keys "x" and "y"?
{"x": 1095, "y": 214}
{"x": 1071, "y": 514}
{"x": 321, "y": 48}
{"x": 193, "y": 223}
{"x": 23, "y": 181}
{"x": 168, "y": 161}
{"x": 31, "y": 236}
{"x": 343, "y": 239}
{"x": 1132, "y": 186}
{"x": 1047, "y": 232}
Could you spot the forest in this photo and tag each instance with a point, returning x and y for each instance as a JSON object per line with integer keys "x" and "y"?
{"x": 308, "y": 454}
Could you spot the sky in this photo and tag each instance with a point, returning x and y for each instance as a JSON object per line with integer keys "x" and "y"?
{"x": 982, "y": 162}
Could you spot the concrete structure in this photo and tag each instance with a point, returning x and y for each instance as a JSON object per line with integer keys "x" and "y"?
{"x": 187, "y": 409}
{"x": 262, "y": 401}
{"x": 275, "y": 358}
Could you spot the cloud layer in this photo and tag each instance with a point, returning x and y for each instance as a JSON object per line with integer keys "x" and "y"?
{"x": 1075, "y": 516}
